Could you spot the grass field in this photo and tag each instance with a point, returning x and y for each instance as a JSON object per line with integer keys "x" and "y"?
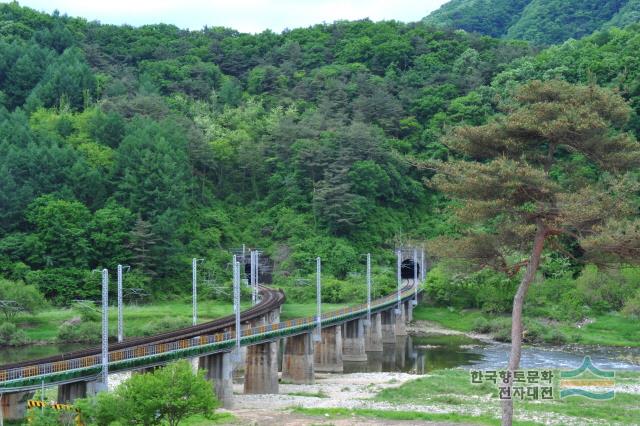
{"x": 448, "y": 396}
{"x": 607, "y": 330}
{"x": 44, "y": 325}
{"x": 298, "y": 310}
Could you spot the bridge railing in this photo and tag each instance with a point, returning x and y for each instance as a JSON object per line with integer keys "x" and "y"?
{"x": 150, "y": 350}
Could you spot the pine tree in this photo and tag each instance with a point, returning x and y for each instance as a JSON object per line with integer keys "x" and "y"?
{"x": 552, "y": 169}
{"x": 141, "y": 242}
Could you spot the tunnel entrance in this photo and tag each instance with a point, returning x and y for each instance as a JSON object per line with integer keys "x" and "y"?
{"x": 265, "y": 266}
{"x": 409, "y": 267}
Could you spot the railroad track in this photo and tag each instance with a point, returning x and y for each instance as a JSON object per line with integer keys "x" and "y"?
{"x": 270, "y": 299}
{"x": 188, "y": 342}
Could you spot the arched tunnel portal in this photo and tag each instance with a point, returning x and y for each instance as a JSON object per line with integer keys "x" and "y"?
{"x": 409, "y": 269}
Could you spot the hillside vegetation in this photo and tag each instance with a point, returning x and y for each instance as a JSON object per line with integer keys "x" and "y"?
{"x": 149, "y": 146}
{"x": 542, "y": 22}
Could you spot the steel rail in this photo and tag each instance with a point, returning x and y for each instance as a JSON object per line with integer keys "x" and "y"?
{"x": 270, "y": 299}
{"x": 160, "y": 349}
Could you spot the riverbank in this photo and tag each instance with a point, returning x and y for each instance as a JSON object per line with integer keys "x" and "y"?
{"x": 439, "y": 397}
{"x": 603, "y": 330}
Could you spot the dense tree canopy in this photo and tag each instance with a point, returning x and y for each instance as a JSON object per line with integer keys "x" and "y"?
{"x": 148, "y": 146}
{"x": 542, "y": 22}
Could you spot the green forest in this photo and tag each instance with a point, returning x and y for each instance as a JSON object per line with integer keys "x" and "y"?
{"x": 543, "y": 22}
{"x": 151, "y": 145}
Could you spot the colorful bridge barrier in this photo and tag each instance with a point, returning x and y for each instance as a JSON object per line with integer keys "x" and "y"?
{"x": 31, "y": 377}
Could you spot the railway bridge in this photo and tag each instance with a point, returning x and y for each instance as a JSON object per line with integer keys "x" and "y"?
{"x": 310, "y": 344}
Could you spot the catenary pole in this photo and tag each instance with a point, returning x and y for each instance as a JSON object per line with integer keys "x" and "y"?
{"x": 105, "y": 328}
{"x": 399, "y": 253}
{"x": 318, "y": 335}
{"x": 120, "y": 319}
{"x": 194, "y": 290}
{"x": 369, "y": 288}
{"x": 236, "y": 302}
{"x": 415, "y": 276}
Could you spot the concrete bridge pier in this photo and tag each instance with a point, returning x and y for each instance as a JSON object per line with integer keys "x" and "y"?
{"x": 14, "y": 405}
{"x": 388, "y": 326}
{"x": 375, "y": 361}
{"x": 401, "y": 321}
{"x": 389, "y": 357}
{"x": 219, "y": 370}
{"x": 261, "y": 371}
{"x": 327, "y": 355}
{"x": 353, "y": 346}
{"x": 401, "y": 351}
{"x": 373, "y": 334}
{"x": 409, "y": 310}
{"x": 297, "y": 360}
{"x": 69, "y": 392}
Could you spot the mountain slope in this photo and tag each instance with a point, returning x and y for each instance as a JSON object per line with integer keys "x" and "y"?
{"x": 539, "y": 21}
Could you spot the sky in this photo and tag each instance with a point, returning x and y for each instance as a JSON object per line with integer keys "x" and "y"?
{"x": 244, "y": 15}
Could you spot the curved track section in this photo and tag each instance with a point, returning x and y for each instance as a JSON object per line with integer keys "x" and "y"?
{"x": 270, "y": 300}
{"x": 189, "y": 342}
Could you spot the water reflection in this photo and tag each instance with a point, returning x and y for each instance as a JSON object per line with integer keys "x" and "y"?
{"x": 418, "y": 355}
{"x": 25, "y": 353}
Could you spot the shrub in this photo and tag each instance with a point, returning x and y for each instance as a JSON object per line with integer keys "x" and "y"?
{"x": 168, "y": 395}
{"x": 632, "y": 306}
{"x": 608, "y": 291}
{"x": 87, "y": 312}
{"x": 85, "y": 332}
{"x": 64, "y": 285}
{"x": 162, "y": 325}
{"x": 10, "y": 335}
{"x": 23, "y": 298}
{"x": 481, "y": 325}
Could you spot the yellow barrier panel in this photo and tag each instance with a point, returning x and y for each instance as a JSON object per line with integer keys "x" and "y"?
{"x": 54, "y": 406}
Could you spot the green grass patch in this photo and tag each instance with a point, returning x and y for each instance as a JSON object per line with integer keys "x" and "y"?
{"x": 299, "y": 310}
{"x": 608, "y": 330}
{"x": 329, "y": 413}
{"x": 453, "y": 388}
{"x": 461, "y": 320}
{"x": 215, "y": 419}
{"x": 44, "y": 326}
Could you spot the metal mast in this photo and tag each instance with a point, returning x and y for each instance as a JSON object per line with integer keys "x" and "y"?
{"x": 120, "y": 325}
{"x": 236, "y": 302}
{"x": 415, "y": 276}
{"x": 105, "y": 328}
{"x": 194, "y": 289}
{"x": 318, "y": 336}
{"x": 369, "y": 288}
{"x": 398, "y": 310}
